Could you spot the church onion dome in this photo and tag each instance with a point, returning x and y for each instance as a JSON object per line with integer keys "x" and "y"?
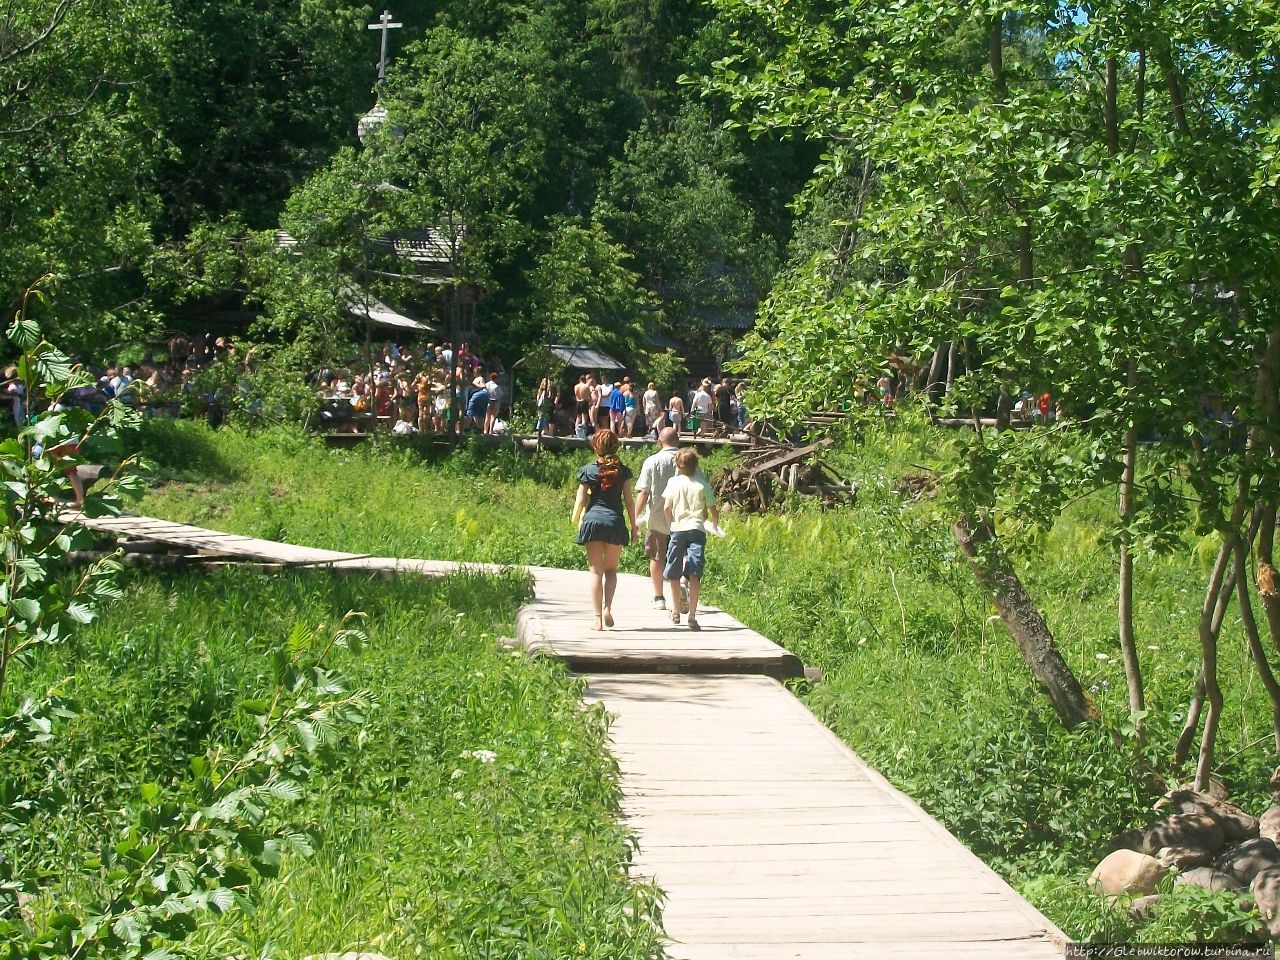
{"x": 371, "y": 122}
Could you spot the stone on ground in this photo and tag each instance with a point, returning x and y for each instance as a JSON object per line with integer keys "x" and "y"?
{"x": 1194, "y": 831}
{"x": 1237, "y": 826}
{"x": 1266, "y": 894}
{"x": 1127, "y": 872}
{"x": 1269, "y": 824}
{"x": 1244, "y": 861}
{"x": 1207, "y": 877}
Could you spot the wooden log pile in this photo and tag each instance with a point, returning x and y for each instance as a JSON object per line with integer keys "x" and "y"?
{"x": 766, "y": 474}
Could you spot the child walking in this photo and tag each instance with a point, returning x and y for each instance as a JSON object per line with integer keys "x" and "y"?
{"x": 689, "y": 500}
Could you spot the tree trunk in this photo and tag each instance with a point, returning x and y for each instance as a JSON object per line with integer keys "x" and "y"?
{"x": 1110, "y": 112}
{"x": 1021, "y": 617}
{"x": 1128, "y": 644}
{"x": 953, "y": 360}
{"x": 1256, "y": 650}
{"x": 1268, "y": 589}
{"x": 995, "y": 54}
{"x": 1140, "y": 98}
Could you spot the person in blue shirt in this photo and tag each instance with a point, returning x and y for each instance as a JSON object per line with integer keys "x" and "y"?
{"x": 477, "y": 405}
{"x": 617, "y": 410}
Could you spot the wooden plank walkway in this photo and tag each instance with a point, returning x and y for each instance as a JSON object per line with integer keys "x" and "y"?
{"x": 769, "y": 836}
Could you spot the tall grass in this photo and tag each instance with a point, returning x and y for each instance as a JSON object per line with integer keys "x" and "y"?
{"x": 919, "y": 676}
{"x": 426, "y": 847}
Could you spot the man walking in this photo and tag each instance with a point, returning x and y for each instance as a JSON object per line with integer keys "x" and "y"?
{"x": 656, "y": 472}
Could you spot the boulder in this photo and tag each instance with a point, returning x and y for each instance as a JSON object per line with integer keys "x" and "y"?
{"x": 1269, "y": 825}
{"x": 1244, "y": 861}
{"x": 1183, "y": 858}
{"x": 1207, "y": 877}
{"x": 1237, "y": 826}
{"x": 1266, "y": 894}
{"x": 1196, "y": 831}
{"x": 1127, "y": 872}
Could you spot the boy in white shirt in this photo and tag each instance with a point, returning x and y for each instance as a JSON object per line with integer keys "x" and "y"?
{"x": 687, "y": 501}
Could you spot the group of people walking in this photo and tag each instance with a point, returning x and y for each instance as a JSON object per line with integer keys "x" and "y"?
{"x": 672, "y": 498}
{"x": 626, "y": 410}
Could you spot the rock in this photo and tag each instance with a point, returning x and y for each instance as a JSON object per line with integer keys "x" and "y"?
{"x": 1195, "y": 831}
{"x": 1244, "y": 861}
{"x": 1127, "y": 840}
{"x": 1266, "y": 894}
{"x": 1209, "y": 878}
{"x": 1142, "y": 907}
{"x": 1183, "y": 858}
{"x": 1269, "y": 825}
{"x": 1237, "y": 826}
{"x": 1126, "y": 871}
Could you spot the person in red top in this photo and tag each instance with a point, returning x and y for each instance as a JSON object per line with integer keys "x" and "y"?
{"x": 1045, "y": 406}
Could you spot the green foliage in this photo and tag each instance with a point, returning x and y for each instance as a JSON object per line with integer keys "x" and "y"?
{"x": 585, "y": 294}
{"x": 1190, "y": 913}
{"x": 254, "y": 390}
{"x": 671, "y": 201}
{"x": 519, "y": 855}
{"x": 1073, "y": 906}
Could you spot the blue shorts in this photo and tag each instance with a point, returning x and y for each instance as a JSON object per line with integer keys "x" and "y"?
{"x": 685, "y": 554}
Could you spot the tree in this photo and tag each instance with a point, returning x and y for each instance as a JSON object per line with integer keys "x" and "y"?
{"x": 79, "y": 145}
{"x": 585, "y": 294}
{"x": 1077, "y": 211}
{"x": 671, "y": 201}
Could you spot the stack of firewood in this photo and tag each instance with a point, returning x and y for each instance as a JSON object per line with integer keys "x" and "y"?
{"x": 766, "y": 474}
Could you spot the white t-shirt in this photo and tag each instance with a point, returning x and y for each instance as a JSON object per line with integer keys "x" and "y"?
{"x": 495, "y": 392}
{"x": 688, "y": 498}
{"x": 701, "y": 405}
{"x": 654, "y": 476}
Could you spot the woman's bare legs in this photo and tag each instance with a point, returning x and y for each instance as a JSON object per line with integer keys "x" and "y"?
{"x": 612, "y": 554}
{"x": 603, "y": 559}
{"x": 595, "y": 561}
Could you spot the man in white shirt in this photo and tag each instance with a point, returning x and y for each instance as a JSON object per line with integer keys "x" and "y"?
{"x": 654, "y": 475}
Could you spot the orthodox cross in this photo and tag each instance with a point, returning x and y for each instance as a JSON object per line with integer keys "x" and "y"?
{"x": 384, "y": 24}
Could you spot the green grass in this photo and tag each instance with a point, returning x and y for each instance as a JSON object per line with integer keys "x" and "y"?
{"x": 919, "y": 676}
{"x": 426, "y": 849}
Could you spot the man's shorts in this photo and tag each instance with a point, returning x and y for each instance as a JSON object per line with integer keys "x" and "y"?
{"x": 655, "y": 545}
{"x": 685, "y": 554}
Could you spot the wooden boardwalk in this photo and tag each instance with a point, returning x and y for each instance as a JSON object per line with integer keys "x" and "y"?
{"x": 769, "y": 836}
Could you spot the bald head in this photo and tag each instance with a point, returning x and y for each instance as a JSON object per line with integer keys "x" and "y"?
{"x": 669, "y": 437}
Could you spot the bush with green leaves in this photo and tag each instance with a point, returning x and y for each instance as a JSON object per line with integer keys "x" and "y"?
{"x": 166, "y": 852}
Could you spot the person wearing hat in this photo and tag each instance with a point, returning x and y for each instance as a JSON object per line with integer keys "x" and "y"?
{"x": 477, "y": 405}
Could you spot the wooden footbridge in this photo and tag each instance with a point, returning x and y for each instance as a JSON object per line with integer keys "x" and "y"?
{"x": 769, "y": 836}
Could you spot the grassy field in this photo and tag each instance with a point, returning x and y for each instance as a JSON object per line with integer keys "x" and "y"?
{"x": 918, "y": 674}
{"x": 429, "y": 846}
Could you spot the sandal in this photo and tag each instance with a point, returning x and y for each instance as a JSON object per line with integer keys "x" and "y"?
{"x": 675, "y": 617}
{"x": 608, "y": 619}
{"x": 694, "y": 624}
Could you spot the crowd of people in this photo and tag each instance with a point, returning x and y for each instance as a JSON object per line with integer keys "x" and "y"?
{"x": 706, "y": 408}
{"x": 430, "y": 392}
